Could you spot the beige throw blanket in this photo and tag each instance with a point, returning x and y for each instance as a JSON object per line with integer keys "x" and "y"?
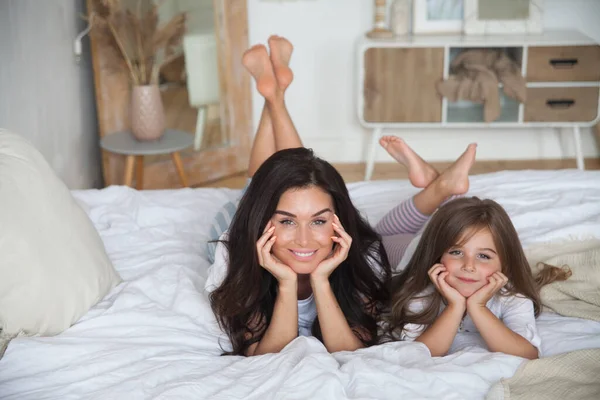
{"x": 579, "y": 296}
{"x": 574, "y": 375}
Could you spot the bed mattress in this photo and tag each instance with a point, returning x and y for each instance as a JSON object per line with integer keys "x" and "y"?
{"x": 155, "y": 337}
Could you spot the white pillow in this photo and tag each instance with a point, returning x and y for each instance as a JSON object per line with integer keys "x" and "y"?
{"x": 53, "y": 265}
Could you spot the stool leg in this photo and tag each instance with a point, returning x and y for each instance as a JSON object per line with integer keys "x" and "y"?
{"x": 179, "y": 167}
{"x": 139, "y": 172}
{"x": 129, "y": 164}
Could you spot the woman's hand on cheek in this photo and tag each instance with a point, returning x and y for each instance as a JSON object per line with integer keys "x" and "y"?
{"x": 281, "y": 272}
{"x": 496, "y": 281}
{"x": 340, "y": 253}
{"x": 438, "y": 274}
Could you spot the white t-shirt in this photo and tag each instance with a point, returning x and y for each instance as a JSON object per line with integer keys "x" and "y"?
{"x": 516, "y": 312}
{"x": 307, "y": 312}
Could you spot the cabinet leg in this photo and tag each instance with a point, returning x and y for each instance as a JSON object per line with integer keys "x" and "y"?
{"x": 372, "y": 153}
{"x": 578, "y": 149}
{"x": 129, "y": 165}
{"x": 180, "y": 170}
{"x": 139, "y": 172}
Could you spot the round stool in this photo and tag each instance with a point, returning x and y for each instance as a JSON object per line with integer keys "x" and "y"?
{"x": 124, "y": 143}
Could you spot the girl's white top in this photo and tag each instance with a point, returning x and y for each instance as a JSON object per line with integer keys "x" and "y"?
{"x": 516, "y": 312}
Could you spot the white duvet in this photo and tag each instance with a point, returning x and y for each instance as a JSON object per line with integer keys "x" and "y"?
{"x": 154, "y": 336}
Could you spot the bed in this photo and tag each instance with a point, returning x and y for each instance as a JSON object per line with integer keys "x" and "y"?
{"x": 154, "y": 335}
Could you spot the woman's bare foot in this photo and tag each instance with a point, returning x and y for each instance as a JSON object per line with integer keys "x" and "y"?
{"x": 257, "y": 62}
{"x": 281, "y": 52}
{"x": 455, "y": 179}
{"x": 420, "y": 173}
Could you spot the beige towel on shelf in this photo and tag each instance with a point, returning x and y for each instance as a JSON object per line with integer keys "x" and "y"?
{"x": 475, "y": 75}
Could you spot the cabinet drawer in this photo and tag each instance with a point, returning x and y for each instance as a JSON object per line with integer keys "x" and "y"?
{"x": 563, "y": 64}
{"x": 399, "y": 84}
{"x": 561, "y": 104}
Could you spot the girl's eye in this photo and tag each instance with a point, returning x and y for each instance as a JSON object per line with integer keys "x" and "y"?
{"x": 485, "y": 256}
{"x": 319, "y": 222}
{"x": 455, "y": 252}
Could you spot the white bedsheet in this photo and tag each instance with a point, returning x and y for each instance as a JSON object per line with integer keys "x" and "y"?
{"x": 154, "y": 336}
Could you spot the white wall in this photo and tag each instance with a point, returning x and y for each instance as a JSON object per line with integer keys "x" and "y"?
{"x": 322, "y": 98}
{"x": 44, "y": 95}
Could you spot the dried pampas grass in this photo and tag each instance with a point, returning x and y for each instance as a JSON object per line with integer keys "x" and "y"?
{"x": 136, "y": 40}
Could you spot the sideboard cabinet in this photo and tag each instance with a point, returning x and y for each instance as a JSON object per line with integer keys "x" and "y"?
{"x": 397, "y": 84}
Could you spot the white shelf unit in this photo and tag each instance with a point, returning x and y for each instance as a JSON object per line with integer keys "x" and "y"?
{"x": 513, "y": 115}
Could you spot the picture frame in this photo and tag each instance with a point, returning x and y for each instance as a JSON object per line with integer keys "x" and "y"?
{"x": 437, "y": 16}
{"x": 513, "y": 17}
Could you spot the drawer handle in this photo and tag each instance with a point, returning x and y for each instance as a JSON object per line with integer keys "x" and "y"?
{"x": 564, "y": 62}
{"x": 562, "y": 103}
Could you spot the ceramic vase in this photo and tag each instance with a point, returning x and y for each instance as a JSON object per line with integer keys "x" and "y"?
{"x": 147, "y": 113}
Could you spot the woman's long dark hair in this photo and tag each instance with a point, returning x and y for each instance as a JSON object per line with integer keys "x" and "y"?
{"x": 447, "y": 227}
{"x": 244, "y": 302}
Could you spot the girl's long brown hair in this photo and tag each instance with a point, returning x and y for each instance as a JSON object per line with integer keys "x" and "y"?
{"x": 447, "y": 228}
{"x": 244, "y": 303}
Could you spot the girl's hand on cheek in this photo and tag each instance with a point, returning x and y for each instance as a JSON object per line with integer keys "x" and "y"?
{"x": 281, "y": 272}
{"x": 438, "y": 274}
{"x": 496, "y": 281}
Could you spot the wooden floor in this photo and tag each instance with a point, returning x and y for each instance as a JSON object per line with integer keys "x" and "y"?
{"x": 385, "y": 171}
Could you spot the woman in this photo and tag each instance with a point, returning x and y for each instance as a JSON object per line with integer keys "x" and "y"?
{"x": 297, "y": 258}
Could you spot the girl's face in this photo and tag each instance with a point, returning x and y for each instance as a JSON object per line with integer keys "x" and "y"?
{"x": 470, "y": 265}
{"x": 303, "y": 228}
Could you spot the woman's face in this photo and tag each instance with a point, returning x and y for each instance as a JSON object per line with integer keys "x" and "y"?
{"x": 303, "y": 228}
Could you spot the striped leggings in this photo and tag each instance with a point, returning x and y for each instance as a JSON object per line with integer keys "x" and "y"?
{"x": 398, "y": 227}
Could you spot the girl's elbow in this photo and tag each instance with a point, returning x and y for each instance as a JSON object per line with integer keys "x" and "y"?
{"x": 533, "y": 354}
{"x": 433, "y": 350}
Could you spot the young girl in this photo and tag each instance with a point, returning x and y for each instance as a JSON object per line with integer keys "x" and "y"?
{"x": 297, "y": 257}
{"x": 468, "y": 282}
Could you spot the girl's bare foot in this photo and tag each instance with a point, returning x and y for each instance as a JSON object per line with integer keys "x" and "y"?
{"x": 257, "y": 62}
{"x": 455, "y": 179}
{"x": 281, "y": 52}
{"x": 420, "y": 173}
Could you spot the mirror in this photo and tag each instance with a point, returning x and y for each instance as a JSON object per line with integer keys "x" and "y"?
{"x": 203, "y": 90}
{"x": 189, "y": 83}
{"x": 506, "y": 10}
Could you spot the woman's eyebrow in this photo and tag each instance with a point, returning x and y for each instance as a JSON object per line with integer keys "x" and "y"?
{"x": 322, "y": 212}
{"x": 288, "y": 214}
